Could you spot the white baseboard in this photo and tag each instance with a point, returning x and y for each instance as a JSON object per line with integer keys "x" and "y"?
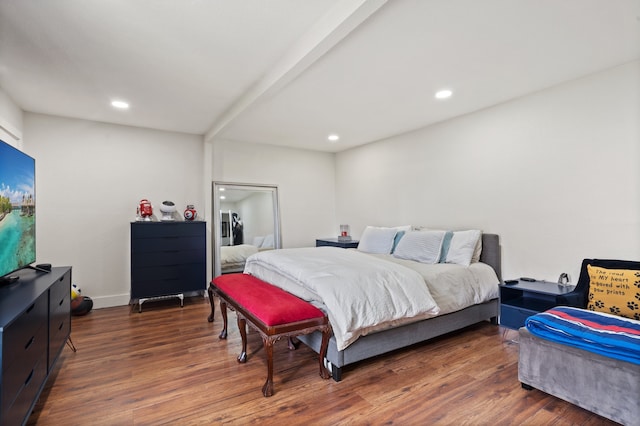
{"x": 110, "y": 301}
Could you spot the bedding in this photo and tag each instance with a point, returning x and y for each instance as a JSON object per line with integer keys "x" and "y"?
{"x": 365, "y": 293}
{"x": 601, "y": 333}
{"x": 233, "y": 258}
{"x": 360, "y": 293}
{"x": 452, "y": 286}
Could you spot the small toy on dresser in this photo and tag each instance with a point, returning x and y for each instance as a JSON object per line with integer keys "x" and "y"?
{"x": 190, "y": 213}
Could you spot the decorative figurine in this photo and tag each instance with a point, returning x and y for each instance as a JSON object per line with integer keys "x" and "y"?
{"x": 190, "y": 213}
{"x": 167, "y": 208}
{"x": 145, "y": 209}
{"x": 344, "y": 233}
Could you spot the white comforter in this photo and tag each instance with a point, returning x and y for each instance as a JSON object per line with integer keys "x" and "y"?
{"x": 361, "y": 293}
{"x": 236, "y": 254}
{"x": 454, "y": 287}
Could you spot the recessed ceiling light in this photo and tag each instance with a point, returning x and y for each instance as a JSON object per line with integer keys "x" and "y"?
{"x": 444, "y": 94}
{"x": 333, "y": 138}
{"x": 120, "y": 104}
{"x": 222, "y": 197}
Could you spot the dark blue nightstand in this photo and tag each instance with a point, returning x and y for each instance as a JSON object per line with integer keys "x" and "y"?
{"x": 335, "y": 242}
{"x": 519, "y": 301}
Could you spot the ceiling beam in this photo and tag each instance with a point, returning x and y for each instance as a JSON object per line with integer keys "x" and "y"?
{"x": 328, "y": 31}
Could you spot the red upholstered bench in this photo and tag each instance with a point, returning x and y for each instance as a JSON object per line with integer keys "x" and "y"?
{"x": 273, "y": 312}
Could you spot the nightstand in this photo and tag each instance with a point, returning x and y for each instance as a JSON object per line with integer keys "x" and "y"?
{"x": 335, "y": 242}
{"x": 525, "y": 298}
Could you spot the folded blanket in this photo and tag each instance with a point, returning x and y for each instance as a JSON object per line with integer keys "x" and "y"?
{"x": 597, "y": 332}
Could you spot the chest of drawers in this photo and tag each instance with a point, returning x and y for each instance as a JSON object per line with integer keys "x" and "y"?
{"x": 35, "y": 322}
{"x": 167, "y": 259}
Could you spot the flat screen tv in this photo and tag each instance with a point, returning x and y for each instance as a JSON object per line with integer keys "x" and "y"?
{"x": 17, "y": 210}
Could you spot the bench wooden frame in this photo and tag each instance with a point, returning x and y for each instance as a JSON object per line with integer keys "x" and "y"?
{"x": 269, "y": 334}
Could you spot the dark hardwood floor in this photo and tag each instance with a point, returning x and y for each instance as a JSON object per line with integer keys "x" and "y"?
{"x": 167, "y": 366}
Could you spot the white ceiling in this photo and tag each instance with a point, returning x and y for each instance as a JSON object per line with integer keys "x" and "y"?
{"x": 289, "y": 72}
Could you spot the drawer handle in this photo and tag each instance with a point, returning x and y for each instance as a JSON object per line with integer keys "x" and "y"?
{"x": 61, "y": 324}
{"x": 61, "y": 301}
{"x": 61, "y": 278}
{"x": 26, "y": 382}
{"x": 30, "y": 308}
{"x": 30, "y": 342}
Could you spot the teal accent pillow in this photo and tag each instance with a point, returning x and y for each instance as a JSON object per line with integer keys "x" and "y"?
{"x": 446, "y": 243}
{"x": 397, "y": 238}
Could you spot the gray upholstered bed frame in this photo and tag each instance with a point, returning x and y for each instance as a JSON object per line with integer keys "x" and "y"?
{"x": 385, "y": 341}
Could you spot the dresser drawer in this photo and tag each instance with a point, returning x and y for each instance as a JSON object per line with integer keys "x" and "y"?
{"x": 18, "y": 335}
{"x": 166, "y": 280}
{"x": 514, "y": 316}
{"x": 59, "y": 331}
{"x": 166, "y": 258}
{"x": 17, "y": 374}
{"x": 164, "y": 229}
{"x": 172, "y": 244}
{"x": 18, "y": 408}
{"x": 60, "y": 293}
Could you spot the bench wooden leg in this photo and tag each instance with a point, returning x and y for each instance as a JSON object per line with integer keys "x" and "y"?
{"x": 223, "y": 312}
{"x": 293, "y": 343}
{"x": 324, "y": 373}
{"x": 267, "y": 389}
{"x": 213, "y": 307}
{"x": 242, "y": 326}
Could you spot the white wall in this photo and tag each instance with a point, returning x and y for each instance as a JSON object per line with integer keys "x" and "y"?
{"x": 256, "y": 213}
{"x": 556, "y": 174}
{"x": 89, "y": 179}
{"x": 305, "y": 180}
{"x": 10, "y": 121}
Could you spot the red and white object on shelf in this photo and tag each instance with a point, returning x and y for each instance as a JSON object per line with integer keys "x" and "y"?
{"x": 145, "y": 210}
{"x": 190, "y": 213}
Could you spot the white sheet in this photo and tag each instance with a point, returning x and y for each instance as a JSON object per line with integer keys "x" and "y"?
{"x": 361, "y": 293}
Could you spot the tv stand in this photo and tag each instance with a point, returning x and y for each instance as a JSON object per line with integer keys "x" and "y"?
{"x": 35, "y": 323}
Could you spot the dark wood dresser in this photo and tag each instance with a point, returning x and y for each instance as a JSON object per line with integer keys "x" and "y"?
{"x": 35, "y": 323}
{"x": 168, "y": 259}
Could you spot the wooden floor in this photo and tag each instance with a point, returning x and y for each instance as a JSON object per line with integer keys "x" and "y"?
{"x": 167, "y": 366}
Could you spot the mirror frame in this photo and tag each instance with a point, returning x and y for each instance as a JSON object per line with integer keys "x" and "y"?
{"x": 217, "y": 225}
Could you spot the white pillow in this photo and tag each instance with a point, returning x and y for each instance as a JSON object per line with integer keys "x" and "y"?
{"x": 401, "y": 231}
{"x": 477, "y": 251}
{"x": 421, "y": 246}
{"x": 257, "y": 241}
{"x": 377, "y": 240}
{"x": 463, "y": 245}
{"x": 268, "y": 242}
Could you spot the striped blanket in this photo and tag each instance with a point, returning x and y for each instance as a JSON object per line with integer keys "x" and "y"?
{"x": 601, "y": 333}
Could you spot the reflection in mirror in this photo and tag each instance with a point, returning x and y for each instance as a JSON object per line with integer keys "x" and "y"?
{"x": 246, "y": 221}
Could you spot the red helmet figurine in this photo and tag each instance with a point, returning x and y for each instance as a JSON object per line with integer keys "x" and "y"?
{"x": 145, "y": 209}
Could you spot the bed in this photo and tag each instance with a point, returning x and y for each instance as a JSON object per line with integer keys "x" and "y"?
{"x": 233, "y": 258}
{"x": 434, "y": 315}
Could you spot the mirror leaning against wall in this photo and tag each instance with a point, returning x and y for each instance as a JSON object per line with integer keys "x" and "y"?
{"x": 246, "y": 220}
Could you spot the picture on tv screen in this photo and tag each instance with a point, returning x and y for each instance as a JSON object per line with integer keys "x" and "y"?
{"x": 17, "y": 209}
